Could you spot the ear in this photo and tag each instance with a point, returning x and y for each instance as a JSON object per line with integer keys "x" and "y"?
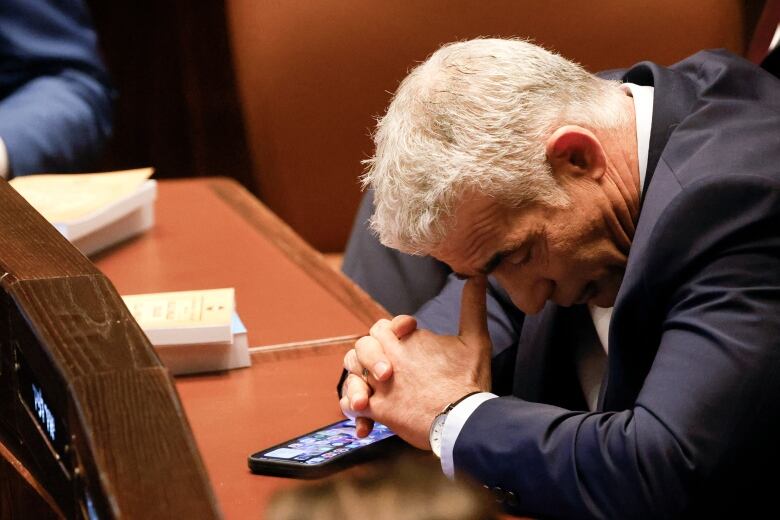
{"x": 574, "y": 150}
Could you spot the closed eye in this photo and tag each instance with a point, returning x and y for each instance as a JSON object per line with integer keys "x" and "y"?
{"x": 494, "y": 262}
{"x": 521, "y": 257}
{"x": 518, "y": 256}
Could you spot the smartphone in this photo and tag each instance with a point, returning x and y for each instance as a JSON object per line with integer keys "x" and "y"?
{"x": 323, "y": 451}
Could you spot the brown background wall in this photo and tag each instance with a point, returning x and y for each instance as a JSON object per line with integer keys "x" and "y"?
{"x": 293, "y": 121}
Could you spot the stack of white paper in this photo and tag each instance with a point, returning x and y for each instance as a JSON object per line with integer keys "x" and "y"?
{"x": 193, "y": 331}
{"x": 93, "y": 210}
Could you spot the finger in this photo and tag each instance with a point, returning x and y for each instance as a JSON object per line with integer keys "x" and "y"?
{"x": 345, "y": 386}
{"x": 363, "y": 426}
{"x": 345, "y": 408}
{"x": 357, "y": 393}
{"x": 402, "y": 325}
{"x": 351, "y": 363}
{"x": 371, "y": 354}
{"x": 473, "y": 311}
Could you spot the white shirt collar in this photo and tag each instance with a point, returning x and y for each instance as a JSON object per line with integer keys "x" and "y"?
{"x": 643, "y": 106}
{"x": 3, "y": 160}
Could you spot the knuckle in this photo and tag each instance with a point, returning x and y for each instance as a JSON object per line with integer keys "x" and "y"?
{"x": 363, "y": 343}
{"x": 380, "y": 325}
{"x": 355, "y": 363}
{"x": 367, "y": 349}
{"x": 348, "y": 359}
{"x": 352, "y": 382}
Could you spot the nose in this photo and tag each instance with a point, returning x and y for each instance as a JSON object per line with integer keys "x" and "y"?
{"x": 528, "y": 293}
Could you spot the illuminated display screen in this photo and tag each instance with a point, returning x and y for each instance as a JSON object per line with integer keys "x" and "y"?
{"x": 91, "y": 511}
{"x": 39, "y": 404}
{"x": 329, "y": 443}
{"x": 43, "y": 412}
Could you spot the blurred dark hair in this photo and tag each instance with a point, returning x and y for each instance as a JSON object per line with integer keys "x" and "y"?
{"x": 408, "y": 489}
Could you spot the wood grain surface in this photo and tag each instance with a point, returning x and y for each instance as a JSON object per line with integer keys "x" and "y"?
{"x": 21, "y": 495}
{"x": 301, "y": 315}
{"x": 310, "y": 260}
{"x": 115, "y": 439}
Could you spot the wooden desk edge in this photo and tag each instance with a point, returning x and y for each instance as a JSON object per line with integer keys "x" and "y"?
{"x": 25, "y": 478}
{"x": 305, "y": 345}
{"x": 310, "y": 260}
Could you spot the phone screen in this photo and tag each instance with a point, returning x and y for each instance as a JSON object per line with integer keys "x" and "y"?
{"x": 321, "y": 451}
{"x": 330, "y": 442}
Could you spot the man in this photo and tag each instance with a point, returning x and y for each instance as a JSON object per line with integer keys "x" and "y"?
{"x": 55, "y": 98}
{"x": 634, "y": 224}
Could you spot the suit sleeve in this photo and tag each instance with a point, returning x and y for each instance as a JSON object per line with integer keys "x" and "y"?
{"x": 708, "y": 401}
{"x": 55, "y": 112}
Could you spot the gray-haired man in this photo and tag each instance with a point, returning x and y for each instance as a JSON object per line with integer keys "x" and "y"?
{"x": 633, "y": 220}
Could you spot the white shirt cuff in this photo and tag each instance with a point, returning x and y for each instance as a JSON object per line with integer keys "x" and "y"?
{"x": 3, "y": 160}
{"x": 456, "y": 419}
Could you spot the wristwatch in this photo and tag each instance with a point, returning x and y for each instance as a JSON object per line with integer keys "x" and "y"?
{"x": 437, "y": 426}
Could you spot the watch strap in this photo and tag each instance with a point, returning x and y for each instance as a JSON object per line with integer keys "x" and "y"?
{"x": 456, "y": 403}
{"x": 449, "y": 407}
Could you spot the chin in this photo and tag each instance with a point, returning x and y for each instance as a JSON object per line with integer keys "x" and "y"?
{"x": 525, "y": 309}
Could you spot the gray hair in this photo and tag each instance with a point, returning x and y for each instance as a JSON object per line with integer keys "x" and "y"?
{"x": 476, "y": 115}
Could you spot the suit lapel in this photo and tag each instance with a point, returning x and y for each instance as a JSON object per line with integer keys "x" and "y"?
{"x": 633, "y": 343}
{"x": 545, "y": 370}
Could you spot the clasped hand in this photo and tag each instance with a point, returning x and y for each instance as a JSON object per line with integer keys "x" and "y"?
{"x": 413, "y": 373}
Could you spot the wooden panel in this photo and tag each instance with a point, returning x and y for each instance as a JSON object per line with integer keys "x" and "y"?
{"x": 312, "y": 76}
{"x": 86, "y": 407}
{"x": 21, "y": 495}
{"x": 155, "y": 479}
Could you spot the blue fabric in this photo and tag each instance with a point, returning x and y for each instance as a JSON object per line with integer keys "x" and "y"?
{"x": 55, "y": 98}
{"x": 399, "y": 282}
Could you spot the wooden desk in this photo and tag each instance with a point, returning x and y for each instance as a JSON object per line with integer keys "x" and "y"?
{"x": 211, "y": 233}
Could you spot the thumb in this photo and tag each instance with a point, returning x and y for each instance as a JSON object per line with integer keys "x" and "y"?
{"x": 473, "y": 312}
{"x": 403, "y": 325}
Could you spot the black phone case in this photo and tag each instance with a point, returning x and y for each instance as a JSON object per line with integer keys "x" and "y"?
{"x": 285, "y": 468}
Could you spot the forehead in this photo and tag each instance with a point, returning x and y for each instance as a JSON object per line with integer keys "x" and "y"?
{"x": 476, "y": 230}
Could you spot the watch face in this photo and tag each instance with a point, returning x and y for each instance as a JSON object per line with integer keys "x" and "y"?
{"x": 437, "y": 429}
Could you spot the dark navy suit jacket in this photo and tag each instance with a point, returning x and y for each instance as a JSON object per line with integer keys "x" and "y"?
{"x": 55, "y": 99}
{"x": 688, "y": 421}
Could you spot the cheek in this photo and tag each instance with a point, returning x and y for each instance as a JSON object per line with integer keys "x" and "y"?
{"x": 567, "y": 259}
{"x": 579, "y": 256}
{"x": 527, "y": 291}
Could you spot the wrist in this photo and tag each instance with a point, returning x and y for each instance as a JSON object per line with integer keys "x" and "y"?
{"x": 436, "y": 428}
